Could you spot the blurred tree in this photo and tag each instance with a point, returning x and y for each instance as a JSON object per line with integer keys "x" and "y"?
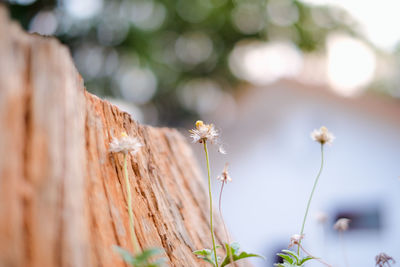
{"x": 156, "y": 54}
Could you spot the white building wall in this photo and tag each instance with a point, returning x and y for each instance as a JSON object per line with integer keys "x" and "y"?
{"x": 274, "y": 162}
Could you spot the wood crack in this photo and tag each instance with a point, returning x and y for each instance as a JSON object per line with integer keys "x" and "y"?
{"x": 26, "y": 209}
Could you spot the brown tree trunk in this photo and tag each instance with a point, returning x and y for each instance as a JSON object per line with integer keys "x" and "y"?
{"x": 62, "y": 194}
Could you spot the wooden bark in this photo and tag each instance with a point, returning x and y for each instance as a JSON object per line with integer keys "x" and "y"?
{"x": 62, "y": 194}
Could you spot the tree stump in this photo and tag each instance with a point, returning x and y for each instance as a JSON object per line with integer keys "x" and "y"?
{"x": 62, "y": 194}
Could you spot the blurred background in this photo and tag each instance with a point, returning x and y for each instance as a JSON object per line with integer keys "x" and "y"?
{"x": 267, "y": 72}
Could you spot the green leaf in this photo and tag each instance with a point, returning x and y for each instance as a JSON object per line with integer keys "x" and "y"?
{"x": 233, "y": 249}
{"x": 248, "y": 255}
{"x": 157, "y": 263}
{"x": 142, "y": 259}
{"x": 125, "y": 254}
{"x": 291, "y": 259}
{"x": 145, "y": 256}
{"x": 202, "y": 252}
{"x": 285, "y": 264}
{"x": 206, "y": 255}
{"x": 286, "y": 257}
{"x": 292, "y": 254}
{"x": 303, "y": 260}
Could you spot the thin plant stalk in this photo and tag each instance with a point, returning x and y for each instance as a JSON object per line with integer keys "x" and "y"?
{"x": 311, "y": 196}
{"x": 343, "y": 245}
{"x": 318, "y": 259}
{"x": 129, "y": 196}
{"x": 211, "y": 205}
{"x": 229, "y": 252}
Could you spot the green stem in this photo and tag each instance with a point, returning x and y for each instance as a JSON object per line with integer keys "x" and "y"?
{"x": 211, "y": 205}
{"x": 311, "y": 195}
{"x": 130, "y": 211}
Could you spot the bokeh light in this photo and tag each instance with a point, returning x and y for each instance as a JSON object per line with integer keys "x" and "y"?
{"x": 282, "y": 12}
{"x": 137, "y": 84}
{"x": 351, "y": 64}
{"x": 200, "y": 95}
{"x": 83, "y": 9}
{"x": 193, "y": 47}
{"x": 248, "y": 18}
{"x": 263, "y": 63}
{"x": 44, "y": 22}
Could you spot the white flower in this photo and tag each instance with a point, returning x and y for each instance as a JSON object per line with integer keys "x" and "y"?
{"x": 125, "y": 144}
{"x": 224, "y": 177}
{"x": 342, "y": 224}
{"x": 206, "y": 132}
{"x": 322, "y": 135}
{"x": 295, "y": 240}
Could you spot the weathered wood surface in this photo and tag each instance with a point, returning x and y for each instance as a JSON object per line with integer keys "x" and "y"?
{"x": 62, "y": 194}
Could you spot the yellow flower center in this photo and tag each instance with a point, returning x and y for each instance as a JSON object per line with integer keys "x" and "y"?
{"x": 199, "y": 124}
{"x": 124, "y": 134}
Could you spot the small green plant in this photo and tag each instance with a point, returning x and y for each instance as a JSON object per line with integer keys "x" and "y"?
{"x": 290, "y": 258}
{"x": 131, "y": 145}
{"x": 207, "y": 255}
{"x": 201, "y": 134}
{"x": 142, "y": 259}
{"x": 233, "y": 254}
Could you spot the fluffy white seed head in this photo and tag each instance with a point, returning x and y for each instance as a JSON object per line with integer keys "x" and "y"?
{"x": 322, "y": 135}
{"x": 206, "y": 132}
{"x": 342, "y": 224}
{"x": 225, "y": 177}
{"x": 295, "y": 240}
{"x": 125, "y": 144}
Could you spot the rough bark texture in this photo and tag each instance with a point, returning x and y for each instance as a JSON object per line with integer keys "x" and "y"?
{"x": 62, "y": 194}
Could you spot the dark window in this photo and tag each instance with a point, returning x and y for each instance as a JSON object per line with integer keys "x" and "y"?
{"x": 362, "y": 218}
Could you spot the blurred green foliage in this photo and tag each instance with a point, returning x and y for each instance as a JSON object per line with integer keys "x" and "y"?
{"x": 171, "y": 42}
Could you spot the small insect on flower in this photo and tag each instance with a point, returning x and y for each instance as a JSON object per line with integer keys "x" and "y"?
{"x": 342, "y": 224}
{"x": 322, "y": 135}
{"x": 382, "y": 259}
{"x": 125, "y": 144}
{"x": 206, "y": 132}
{"x": 225, "y": 177}
{"x": 295, "y": 240}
